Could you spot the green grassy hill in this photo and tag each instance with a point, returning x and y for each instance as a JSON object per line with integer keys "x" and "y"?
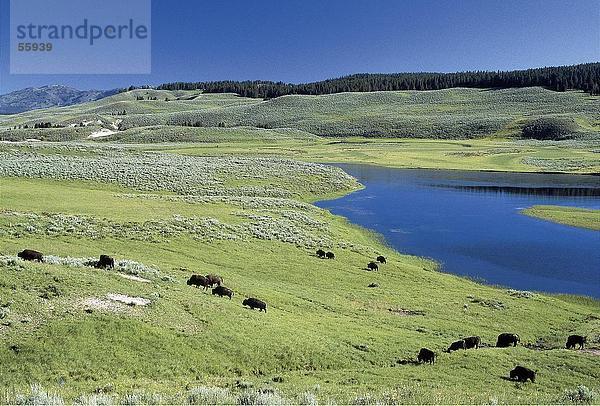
{"x": 448, "y": 114}
{"x": 326, "y": 336}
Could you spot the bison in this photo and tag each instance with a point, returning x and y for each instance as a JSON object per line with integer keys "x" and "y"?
{"x": 472, "y": 342}
{"x": 522, "y": 374}
{"x": 105, "y": 262}
{"x": 426, "y": 355}
{"x": 222, "y": 291}
{"x": 330, "y": 255}
{"x": 197, "y": 281}
{"x": 254, "y": 303}
{"x": 574, "y": 340}
{"x": 31, "y": 255}
{"x": 507, "y": 339}
{"x": 381, "y": 259}
{"x": 457, "y": 345}
{"x": 321, "y": 253}
{"x": 214, "y": 280}
{"x": 372, "y": 266}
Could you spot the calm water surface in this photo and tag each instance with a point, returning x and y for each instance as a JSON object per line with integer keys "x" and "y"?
{"x": 469, "y": 222}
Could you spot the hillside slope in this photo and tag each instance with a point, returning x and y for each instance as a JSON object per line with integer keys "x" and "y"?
{"x": 449, "y": 114}
{"x": 249, "y": 220}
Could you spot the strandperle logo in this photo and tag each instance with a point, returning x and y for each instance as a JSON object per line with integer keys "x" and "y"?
{"x": 86, "y": 31}
{"x": 80, "y": 36}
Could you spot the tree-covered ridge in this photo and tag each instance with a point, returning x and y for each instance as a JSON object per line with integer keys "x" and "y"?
{"x": 584, "y": 77}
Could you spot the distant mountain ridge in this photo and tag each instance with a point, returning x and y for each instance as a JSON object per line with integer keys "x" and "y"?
{"x": 33, "y": 98}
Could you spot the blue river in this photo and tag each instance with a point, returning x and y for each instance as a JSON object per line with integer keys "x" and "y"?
{"x": 470, "y": 223}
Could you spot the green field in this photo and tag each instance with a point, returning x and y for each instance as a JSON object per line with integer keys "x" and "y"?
{"x": 326, "y": 337}
{"x": 441, "y": 114}
{"x": 571, "y": 216}
{"x": 234, "y": 197}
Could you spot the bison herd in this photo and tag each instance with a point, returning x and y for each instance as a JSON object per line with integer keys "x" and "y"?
{"x": 211, "y": 280}
{"x": 519, "y": 373}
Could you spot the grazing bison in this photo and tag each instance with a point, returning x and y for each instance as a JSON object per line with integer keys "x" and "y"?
{"x": 574, "y": 340}
{"x": 330, "y": 255}
{"x": 426, "y": 355}
{"x": 321, "y": 253}
{"x": 372, "y": 266}
{"x": 457, "y": 345}
{"x": 222, "y": 291}
{"x": 214, "y": 280}
{"x": 254, "y": 303}
{"x": 105, "y": 262}
{"x": 381, "y": 259}
{"x": 198, "y": 280}
{"x": 507, "y": 339}
{"x": 522, "y": 374}
{"x": 472, "y": 342}
{"x": 31, "y": 255}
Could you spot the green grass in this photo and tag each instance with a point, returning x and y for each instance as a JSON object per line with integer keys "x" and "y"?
{"x": 494, "y": 155}
{"x": 323, "y": 326}
{"x": 442, "y": 114}
{"x": 571, "y": 216}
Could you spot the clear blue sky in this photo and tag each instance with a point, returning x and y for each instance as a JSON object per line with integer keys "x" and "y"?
{"x": 308, "y": 40}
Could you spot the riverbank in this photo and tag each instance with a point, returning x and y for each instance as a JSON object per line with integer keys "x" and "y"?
{"x": 570, "y": 216}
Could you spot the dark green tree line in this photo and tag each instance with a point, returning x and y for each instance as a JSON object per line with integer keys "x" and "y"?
{"x": 584, "y": 77}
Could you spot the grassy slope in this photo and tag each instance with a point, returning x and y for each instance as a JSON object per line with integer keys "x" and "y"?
{"x": 319, "y": 312}
{"x": 571, "y": 216}
{"x": 495, "y": 155}
{"x": 448, "y": 114}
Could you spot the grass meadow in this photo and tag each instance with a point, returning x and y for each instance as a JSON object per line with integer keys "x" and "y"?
{"x": 327, "y": 337}
{"x": 571, "y": 216}
{"x": 233, "y": 196}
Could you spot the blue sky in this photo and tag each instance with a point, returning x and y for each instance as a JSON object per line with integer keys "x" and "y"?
{"x": 308, "y": 40}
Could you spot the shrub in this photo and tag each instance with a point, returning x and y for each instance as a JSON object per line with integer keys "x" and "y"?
{"x": 580, "y": 395}
{"x": 37, "y": 396}
{"x": 143, "y": 398}
{"x": 95, "y": 399}
{"x": 203, "y": 395}
{"x": 261, "y": 397}
{"x": 549, "y": 128}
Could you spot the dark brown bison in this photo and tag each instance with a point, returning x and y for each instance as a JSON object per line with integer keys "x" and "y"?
{"x": 197, "y": 281}
{"x": 321, "y": 253}
{"x": 329, "y": 255}
{"x": 472, "y": 342}
{"x": 254, "y": 303}
{"x": 105, "y": 262}
{"x": 381, "y": 259}
{"x": 574, "y": 340}
{"x": 457, "y": 345}
{"x": 507, "y": 339}
{"x": 214, "y": 280}
{"x": 372, "y": 266}
{"x": 426, "y": 355}
{"x": 522, "y": 374}
{"x": 222, "y": 291}
{"x": 31, "y": 255}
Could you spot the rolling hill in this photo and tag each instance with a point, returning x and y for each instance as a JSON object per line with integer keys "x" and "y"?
{"x": 440, "y": 114}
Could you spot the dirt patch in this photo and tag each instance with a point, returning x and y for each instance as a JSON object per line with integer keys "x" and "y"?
{"x": 128, "y": 300}
{"x": 94, "y": 303}
{"x": 591, "y": 351}
{"x": 134, "y": 278}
